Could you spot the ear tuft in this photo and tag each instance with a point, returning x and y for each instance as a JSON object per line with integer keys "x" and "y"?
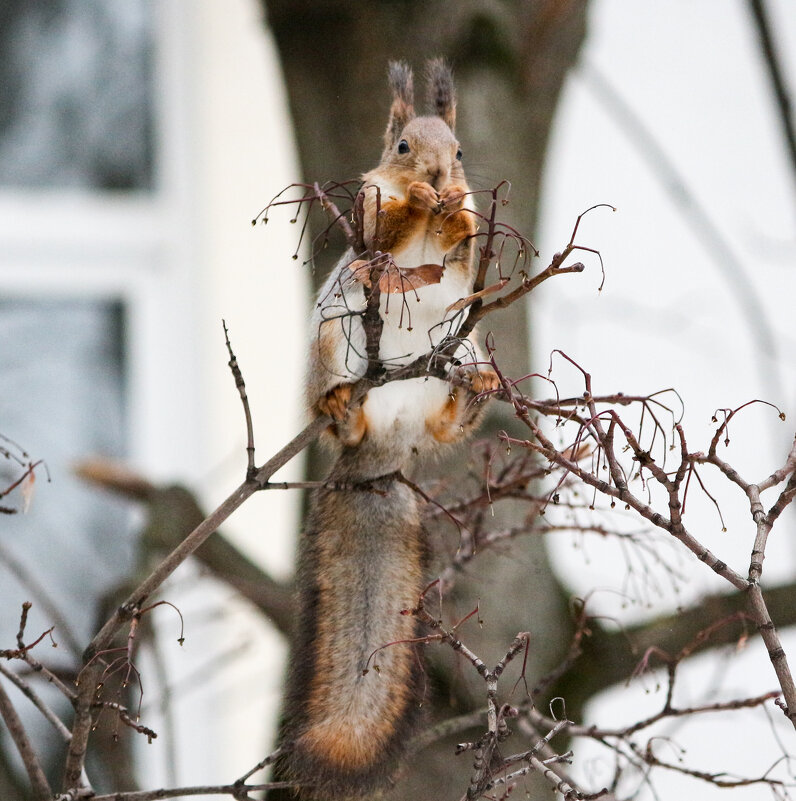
{"x": 399, "y": 74}
{"x": 441, "y": 91}
{"x": 403, "y": 103}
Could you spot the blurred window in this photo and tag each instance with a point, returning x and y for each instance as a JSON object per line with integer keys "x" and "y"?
{"x": 76, "y": 106}
{"x": 63, "y": 397}
{"x": 78, "y": 250}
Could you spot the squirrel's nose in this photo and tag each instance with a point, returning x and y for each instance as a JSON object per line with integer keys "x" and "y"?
{"x": 437, "y": 177}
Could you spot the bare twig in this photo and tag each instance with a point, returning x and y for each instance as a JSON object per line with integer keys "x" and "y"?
{"x": 240, "y": 792}
{"x": 241, "y": 387}
{"x": 30, "y": 759}
{"x": 42, "y": 596}
{"x": 89, "y": 676}
{"x": 34, "y": 698}
{"x": 777, "y": 77}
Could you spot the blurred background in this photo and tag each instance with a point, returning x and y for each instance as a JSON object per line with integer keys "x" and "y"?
{"x": 137, "y": 142}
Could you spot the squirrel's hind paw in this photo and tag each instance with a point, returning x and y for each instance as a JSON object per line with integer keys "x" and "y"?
{"x": 335, "y": 401}
{"x": 481, "y": 379}
{"x": 350, "y": 423}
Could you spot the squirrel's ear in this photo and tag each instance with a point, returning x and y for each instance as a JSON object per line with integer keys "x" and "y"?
{"x": 441, "y": 92}
{"x": 403, "y": 102}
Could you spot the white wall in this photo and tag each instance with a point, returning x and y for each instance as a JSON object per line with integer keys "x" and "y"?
{"x": 667, "y": 317}
{"x": 227, "y": 676}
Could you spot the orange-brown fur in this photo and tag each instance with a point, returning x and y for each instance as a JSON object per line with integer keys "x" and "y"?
{"x": 354, "y": 677}
{"x": 361, "y": 564}
{"x": 420, "y": 211}
{"x": 330, "y": 736}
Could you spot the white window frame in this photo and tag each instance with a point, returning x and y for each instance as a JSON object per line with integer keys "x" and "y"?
{"x": 135, "y": 248}
{"x": 177, "y": 261}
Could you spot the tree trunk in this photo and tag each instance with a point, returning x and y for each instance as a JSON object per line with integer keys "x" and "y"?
{"x": 510, "y": 60}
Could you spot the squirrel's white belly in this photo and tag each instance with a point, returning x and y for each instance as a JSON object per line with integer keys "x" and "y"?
{"x": 415, "y": 322}
{"x": 398, "y": 411}
{"x": 419, "y": 250}
{"x": 413, "y": 325}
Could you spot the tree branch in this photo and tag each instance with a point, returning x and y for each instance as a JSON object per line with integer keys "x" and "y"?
{"x": 89, "y": 676}
{"x": 38, "y": 781}
{"x": 777, "y": 78}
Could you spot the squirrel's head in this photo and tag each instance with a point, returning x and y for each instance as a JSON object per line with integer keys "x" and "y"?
{"x": 424, "y": 146}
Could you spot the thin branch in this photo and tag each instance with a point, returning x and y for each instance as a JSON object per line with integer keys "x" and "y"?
{"x": 237, "y": 791}
{"x": 777, "y": 77}
{"x": 240, "y": 384}
{"x": 38, "y": 781}
{"x": 540, "y": 720}
{"x": 776, "y": 653}
{"x": 34, "y": 698}
{"x": 89, "y": 676}
{"x": 42, "y": 596}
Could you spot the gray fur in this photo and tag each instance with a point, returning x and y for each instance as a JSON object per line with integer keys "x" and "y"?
{"x": 441, "y": 91}
{"x": 376, "y": 537}
{"x": 403, "y": 104}
{"x": 401, "y": 82}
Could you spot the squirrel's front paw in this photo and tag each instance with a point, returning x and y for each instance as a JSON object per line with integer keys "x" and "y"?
{"x": 452, "y": 198}
{"x": 335, "y": 401}
{"x": 423, "y": 196}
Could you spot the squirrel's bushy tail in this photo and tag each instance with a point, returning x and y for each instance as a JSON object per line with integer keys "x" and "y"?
{"x": 353, "y": 677}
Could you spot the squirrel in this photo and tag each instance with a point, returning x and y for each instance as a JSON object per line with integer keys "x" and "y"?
{"x": 354, "y": 686}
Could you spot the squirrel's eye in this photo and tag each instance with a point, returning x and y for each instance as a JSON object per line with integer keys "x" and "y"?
{"x": 403, "y": 146}
{"x": 459, "y": 154}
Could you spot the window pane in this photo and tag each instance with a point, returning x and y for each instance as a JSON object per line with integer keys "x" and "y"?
{"x": 62, "y": 400}
{"x": 75, "y": 103}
